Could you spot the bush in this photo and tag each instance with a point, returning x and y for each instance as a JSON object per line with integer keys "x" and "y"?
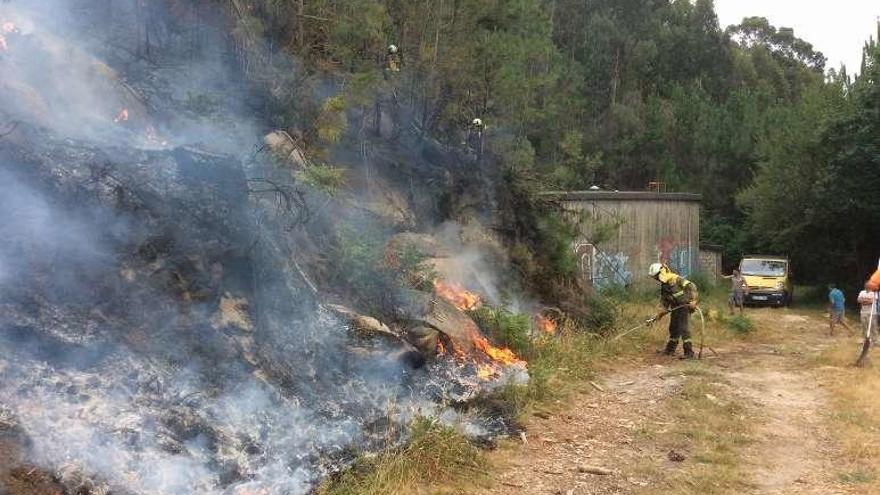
{"x": 508, "y": 329}
{"x": 740, "y": 324}
{"x": 371, "y": 277}
{"x": 602, "y": 314}
{"x": 324, "y": 178}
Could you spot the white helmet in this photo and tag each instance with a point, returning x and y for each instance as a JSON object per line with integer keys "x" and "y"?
{"x": 654, "y": 269}
{"x": 392, "y": 48}
{"x": 477, "y": 122}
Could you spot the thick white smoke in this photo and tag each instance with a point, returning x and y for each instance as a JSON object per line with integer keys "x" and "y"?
{"x": 112, "y": 364}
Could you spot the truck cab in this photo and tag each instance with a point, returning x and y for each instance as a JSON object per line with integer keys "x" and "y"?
{"x": 768, "y": 279}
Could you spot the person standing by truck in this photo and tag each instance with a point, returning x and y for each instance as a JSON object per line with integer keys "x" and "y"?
{"x": 738, "y": 290}
{"x": 837, "y": 308}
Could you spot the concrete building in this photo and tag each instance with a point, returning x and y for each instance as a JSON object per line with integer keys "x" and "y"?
{"x": 710, "y": 262}
{"x": 622, "y": 233}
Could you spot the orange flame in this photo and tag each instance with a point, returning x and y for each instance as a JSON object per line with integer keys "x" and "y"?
{"x": 547, "y": 325}
{"x": 498, "y": 354}
{"x": 486, "y": 372}
{"x": 441, "y": 349}
{"x": 457, "y": 296}
{"x": 122, "y": 116}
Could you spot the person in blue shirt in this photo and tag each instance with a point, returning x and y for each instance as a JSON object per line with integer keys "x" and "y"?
{"x": 837, "y": 307}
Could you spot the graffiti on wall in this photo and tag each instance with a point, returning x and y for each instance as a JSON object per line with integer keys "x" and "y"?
{"x": 677, "y": 255}
{"x": 601, "y": 270}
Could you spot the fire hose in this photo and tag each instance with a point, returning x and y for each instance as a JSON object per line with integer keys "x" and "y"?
{"x": 657, "y": 317}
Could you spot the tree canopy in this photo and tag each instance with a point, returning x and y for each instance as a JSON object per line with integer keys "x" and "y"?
{"x": 614, "y": 93}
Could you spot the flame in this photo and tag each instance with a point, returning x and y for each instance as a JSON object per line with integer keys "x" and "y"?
{"x": 498, "y": 354}
{"x": 486, "y": 372}
{"x": 441, "y": 349}
{"x": 547, "y": 325}
{"x": 122, "y": 116}
{"x": 457, "y": 296}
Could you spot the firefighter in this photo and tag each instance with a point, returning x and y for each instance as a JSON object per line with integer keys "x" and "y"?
{"x": 475, "y": 136}
{"x": 392, "y": 61}
{"x": 679, "y": 297}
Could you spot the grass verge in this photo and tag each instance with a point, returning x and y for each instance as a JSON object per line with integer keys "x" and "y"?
{"x": 854, "y": 396}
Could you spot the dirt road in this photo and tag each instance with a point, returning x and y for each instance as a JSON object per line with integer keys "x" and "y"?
{"x": 752, "y": 419}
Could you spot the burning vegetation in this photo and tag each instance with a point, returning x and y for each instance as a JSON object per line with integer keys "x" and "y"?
{"x": 168, "y": 325}
{"x": 457, "y": 295}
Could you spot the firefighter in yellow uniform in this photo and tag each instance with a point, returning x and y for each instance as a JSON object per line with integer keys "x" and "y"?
{"x": 679, "y": 297}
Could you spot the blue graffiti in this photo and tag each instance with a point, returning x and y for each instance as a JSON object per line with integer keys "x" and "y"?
{"x": 602, "y": 270}
{"x": 680, "y": 261}
{"x": 610, "y": 270}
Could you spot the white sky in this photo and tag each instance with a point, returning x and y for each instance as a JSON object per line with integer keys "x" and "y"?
{"x": 836, "y": 28}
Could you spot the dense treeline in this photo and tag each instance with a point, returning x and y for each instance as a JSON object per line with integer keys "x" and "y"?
{"x": 615, "y": 93}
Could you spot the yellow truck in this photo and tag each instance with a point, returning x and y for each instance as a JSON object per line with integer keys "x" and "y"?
{"x": 768, "y": 279}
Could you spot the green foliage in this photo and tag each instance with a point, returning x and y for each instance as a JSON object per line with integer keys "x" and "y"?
{"x": 357, "y": 264}
{"x": 602, "y": 312}
{"x": 576, "y": 93}
{"x": 740, "y": 324}
{"x": 371, "y": 275}
{"x": 814, "y": 195}
{"x": 332, "y": 122}
{"x": 556, "y": 238}
{"x": 325, "y": 178}
{"x": 508, "y": 329}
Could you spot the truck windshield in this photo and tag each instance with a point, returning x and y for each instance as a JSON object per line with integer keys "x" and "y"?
{"x": 763, "y": 268}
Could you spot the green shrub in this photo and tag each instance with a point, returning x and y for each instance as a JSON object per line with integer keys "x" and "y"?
{"x": 362, "y": 269}
{"x": 324, "y": 178}
{"x": 602, "y": 314}
{"x": 741, "y": 324}
{"x": 508, "y": 329}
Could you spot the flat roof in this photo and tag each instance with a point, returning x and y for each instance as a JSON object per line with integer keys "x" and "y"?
{"x": 621, "y": 196}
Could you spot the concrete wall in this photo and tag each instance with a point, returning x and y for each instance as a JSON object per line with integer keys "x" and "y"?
{"x": 651, "y": 227}
{"x": 710, "y": 263}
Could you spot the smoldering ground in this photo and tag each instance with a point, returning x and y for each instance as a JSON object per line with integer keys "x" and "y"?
{"x": 155, "y": 336}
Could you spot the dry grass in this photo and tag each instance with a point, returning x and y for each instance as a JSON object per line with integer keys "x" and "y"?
{"x": 854, "y": 416}
{"x": 436, "y": 456}
{"x": 710, "y": 427}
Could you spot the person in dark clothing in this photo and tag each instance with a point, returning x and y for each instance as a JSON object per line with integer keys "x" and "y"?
{"x": 679, "y": 297}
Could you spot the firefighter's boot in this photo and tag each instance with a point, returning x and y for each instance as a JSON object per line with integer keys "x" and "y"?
{"x": 669, "y": 350}
{"x": 688, "y": 351}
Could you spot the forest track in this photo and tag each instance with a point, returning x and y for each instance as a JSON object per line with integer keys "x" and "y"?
{"x": 646, "y": 428}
